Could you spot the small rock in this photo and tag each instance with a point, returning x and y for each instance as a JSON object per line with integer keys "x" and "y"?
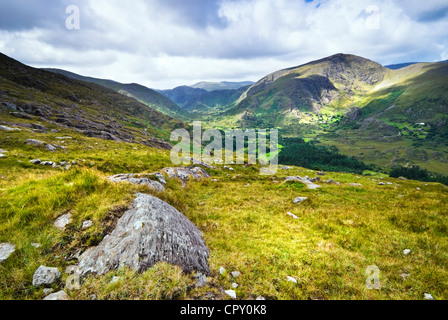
{"x": 61, "y": 295}
{"x": 260, "y": 298}
{"x": 87, "y": 224}
{"x": 428, "y": 296}
{"x": 201, "y": 280}
{"x": 6, "y": 249}
{"x": 36, "y": 245}
{"x": 5, "y": 128}
{"x": 45, "y": 276}
{"x": 236, "y": 274}
{"x": 63, "y": 221}
{"x": 299, "y": 199}
{"x": 320, "y": 173}
{"x": 292, "y": 215}
{"x": 406, "y": 252}
{"x": 34, "y": 142}
{"x": 35, "y": 161}
{"x": 114, "y": 280}
{"x": 222, "y": 270}
{"x": 405, "y": 275}
{"x": 50, "y": 147}
{"x": 231, "y": 293}
{"x": 234, "y": 285}
{"x": 418, "y": 189}
{"x": 355, "y": 185}
{"x": 291, "y": 279}
{"x": 381, "y": 184}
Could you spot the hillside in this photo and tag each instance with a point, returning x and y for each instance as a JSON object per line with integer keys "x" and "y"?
{"x": 141, "y": 93}
{"x": 357, "y": 105}
{"x": 224, "y": 85}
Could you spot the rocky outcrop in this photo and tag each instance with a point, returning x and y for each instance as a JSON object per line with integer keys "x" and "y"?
{"x": 140, "y": 179}
{"x": 186, "y": 173}
{"x": 149, "y": 232}
{"x": 310, "y": 184}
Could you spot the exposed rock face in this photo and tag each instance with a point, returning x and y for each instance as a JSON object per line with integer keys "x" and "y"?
{"x": 186, "y": 173}
{"x": 5, "y": 250}
{"x": 134, "y": 179}
{"x": 306, "y": 181}
{"x": 45, "y": 276}
{"x": 149, "y": 232}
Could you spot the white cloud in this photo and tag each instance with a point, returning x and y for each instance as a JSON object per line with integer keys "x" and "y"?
{"x": 163, "y": 44}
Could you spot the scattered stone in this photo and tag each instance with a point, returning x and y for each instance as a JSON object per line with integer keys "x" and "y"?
{"x": 67, "y": 167}
{"x": 36, "y": 245}
{"x": 402, "y": 178}
{"x": 428, "y": 296}
{"x": 201, "y": 280}
{"x": 149, "y": 232}
{"x": 114, "y": 280}
{"x": 35, "y": 161}
{"x": 63, "y": 138}
{"x": 247, "y": 185}
{"x": 418, "y": 189}
{"x": 186, "y": 173}
{"x": 131, "y": 178}
{"x": 406, "y": 252}
{"x": 61, "y": 295}
{"x": 201, "y": 163}
{"x": 381, "y": 184}
{"x": 299, "y": 199}
{"x": 317, "y": 179}
{"x": 292, "y": 215}
{"x": 234, "y": 285}
{"x": 236, "y": 274}
{"x": 305, "y": 180}
{"x": 63, "y": 221}
{"x": 50, "y": 147}
{"x": 2, "y": 155}
{"x": 260, "y": 298}
{"x": 6, "y": 249}
{"x": 389, "y": 183}
{"x": 222, "y": 270}
{"x": 5, "y": 128}
{"x": 45, "y": 276}
{"x": 231, "y": 293}
{"x": 87, "y": 224}
{"x": 34, "y": 142}
{"x": 291, "y": 279}
{"x": 320, "y": 173}
{"x": 358, "y": 185}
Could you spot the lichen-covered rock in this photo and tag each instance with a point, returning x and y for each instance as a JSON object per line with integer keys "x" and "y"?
{"x": 45, "y": 276}
{"x": 149, "y": 232}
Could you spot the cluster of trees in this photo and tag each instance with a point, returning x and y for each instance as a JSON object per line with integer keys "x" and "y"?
{"x": 297, "y": 152}
{"x": 417, "y": 173}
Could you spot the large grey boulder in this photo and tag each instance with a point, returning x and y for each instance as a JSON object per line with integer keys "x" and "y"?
{"x": 149, "y": 232}
{"x": 5, "y": 250}
{"x": 45, "y": 276}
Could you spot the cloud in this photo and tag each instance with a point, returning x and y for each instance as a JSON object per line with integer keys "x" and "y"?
{"x": 164, "y": 43}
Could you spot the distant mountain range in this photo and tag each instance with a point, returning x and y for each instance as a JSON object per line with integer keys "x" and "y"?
{"x": 224, "y": 85}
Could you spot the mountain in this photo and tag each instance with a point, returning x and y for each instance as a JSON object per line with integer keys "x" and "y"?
{"x": 49, "y": 99}
{"x": 225, "y": 85}
{"x": 382, "y": 116}
{"x": 199, "y": 101}
{"x": 141, "y": 93}
{"x": 400, "y": 65}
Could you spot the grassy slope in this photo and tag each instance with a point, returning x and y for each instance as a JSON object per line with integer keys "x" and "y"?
{"x": 340, "y": 231}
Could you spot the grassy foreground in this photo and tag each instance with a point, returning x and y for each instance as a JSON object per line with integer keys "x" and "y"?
{"x": 340, "y": 230}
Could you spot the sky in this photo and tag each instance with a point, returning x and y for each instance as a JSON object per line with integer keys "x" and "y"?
{"x": 167, "y": 43}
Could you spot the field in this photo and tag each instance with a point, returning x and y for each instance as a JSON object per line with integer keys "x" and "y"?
{"x": 340, "y": 230}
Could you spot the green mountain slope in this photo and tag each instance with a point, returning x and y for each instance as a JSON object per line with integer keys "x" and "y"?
{"x": 141, "y": 93}
{"x": 224, "y": 85}
{"x": 357, "y": 105}
{"x": 29, "y": 95}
